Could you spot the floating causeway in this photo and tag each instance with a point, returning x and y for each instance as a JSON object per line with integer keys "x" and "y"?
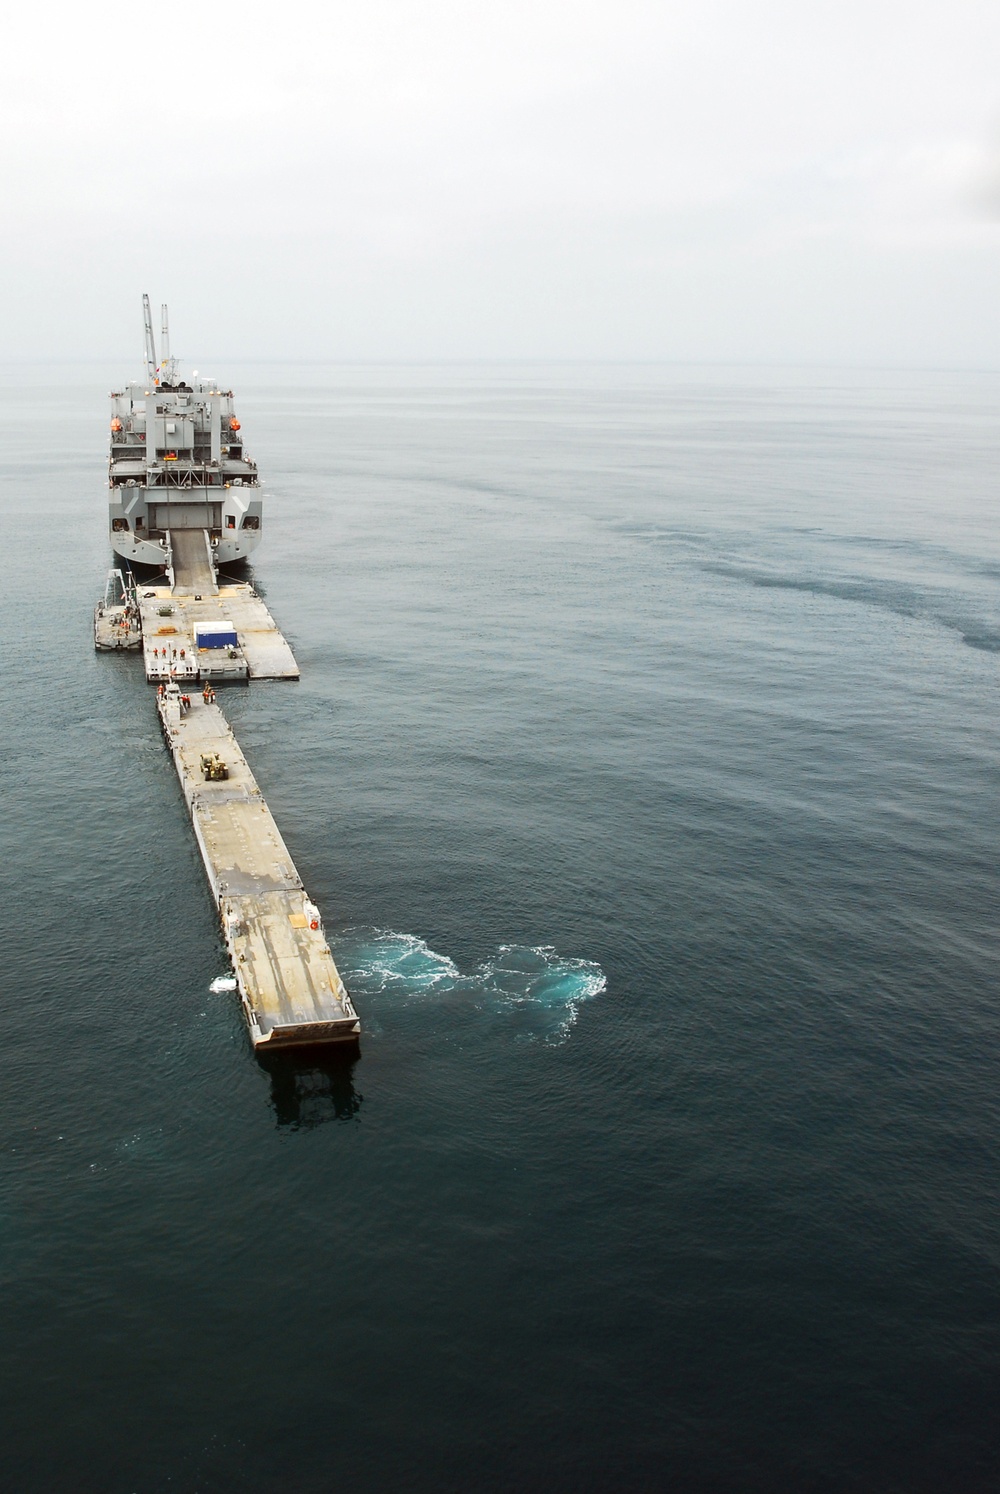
{"x": 291, "y": 990}
{"x": 194, "y": 631}
{"x": 184, "y": 499}
{"x": 170, "y": 617}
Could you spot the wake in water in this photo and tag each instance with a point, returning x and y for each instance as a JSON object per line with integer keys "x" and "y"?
{"x": 532, "y": 989}
{"x": 924, "y": 602}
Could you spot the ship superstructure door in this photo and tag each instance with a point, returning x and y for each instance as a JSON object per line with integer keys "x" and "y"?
{"x": 185, "y": 515}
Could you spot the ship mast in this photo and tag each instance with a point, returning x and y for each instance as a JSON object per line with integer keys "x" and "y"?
{"x": 168, "y": 365}
{"x": 151, "y": 368}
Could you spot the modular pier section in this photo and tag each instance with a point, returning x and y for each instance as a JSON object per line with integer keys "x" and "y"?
{"x": 172, "y": 618}
{"x": 290, "y": 988}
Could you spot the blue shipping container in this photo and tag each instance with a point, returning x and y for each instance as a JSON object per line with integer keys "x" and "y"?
{"x": 215, "y": 635}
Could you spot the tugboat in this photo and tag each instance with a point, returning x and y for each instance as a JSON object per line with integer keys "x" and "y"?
{"x": 117, "y": 623}
{"x": 178, "y": 463}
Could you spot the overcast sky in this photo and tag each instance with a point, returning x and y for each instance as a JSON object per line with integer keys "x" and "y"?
{"x": 707, "y": 180}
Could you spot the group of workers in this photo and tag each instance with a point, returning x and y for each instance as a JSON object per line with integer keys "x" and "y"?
{"x": 207, "y": 695}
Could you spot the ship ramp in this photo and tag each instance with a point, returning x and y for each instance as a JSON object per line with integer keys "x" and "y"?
{"x": 191, "y": 562}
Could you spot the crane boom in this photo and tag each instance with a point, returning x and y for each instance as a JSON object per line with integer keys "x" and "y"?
{"x": 151, "y": 367}
{"x": 167, "y": 365}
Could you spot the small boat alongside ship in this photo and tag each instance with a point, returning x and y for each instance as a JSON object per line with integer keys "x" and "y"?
{"x": 117, "y": 622}
{"x": 178, "y": 463}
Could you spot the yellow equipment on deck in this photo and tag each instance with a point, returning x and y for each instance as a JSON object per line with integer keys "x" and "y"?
{"x": 213, "y": 766}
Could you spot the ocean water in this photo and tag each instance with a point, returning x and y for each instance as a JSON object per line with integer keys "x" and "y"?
{"x": 645, "y": 767}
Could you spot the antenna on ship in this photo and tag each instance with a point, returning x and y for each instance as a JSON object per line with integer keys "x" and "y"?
{"x": 151, "y": 368}
{"x": 168, "y": 365}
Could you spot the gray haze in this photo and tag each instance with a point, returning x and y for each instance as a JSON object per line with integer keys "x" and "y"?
{"x": 603, "y": 178}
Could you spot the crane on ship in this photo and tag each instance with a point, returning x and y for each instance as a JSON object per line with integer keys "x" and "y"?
{"x": 151, "y": 365}
{"x": 168, "y": 365}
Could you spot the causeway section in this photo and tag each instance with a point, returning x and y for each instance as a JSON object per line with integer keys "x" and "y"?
{"x": 289, "y": 985}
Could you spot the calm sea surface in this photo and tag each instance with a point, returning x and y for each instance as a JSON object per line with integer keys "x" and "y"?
{"x": 645, "y": 766}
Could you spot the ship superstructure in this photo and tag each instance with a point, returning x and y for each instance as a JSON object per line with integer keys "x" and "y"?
{"x": 178, "y": 462}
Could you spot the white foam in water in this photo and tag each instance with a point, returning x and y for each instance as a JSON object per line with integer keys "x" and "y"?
{"x": 548, "y": 990}
{"x": 536, "y": 991}
{"x": 381, "y": 961}
{"x": 223, "y": 983}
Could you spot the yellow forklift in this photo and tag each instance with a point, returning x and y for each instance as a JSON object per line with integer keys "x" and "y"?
{"x": 213, "y": 766}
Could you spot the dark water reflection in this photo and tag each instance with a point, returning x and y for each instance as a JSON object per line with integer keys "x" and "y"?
{"x": 310, "y": 1089}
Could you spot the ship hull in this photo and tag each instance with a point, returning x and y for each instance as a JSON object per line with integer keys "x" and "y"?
{"x": 153, "y": 552}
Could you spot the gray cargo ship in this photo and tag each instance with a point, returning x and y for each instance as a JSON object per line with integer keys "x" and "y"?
{"x": 178, "y": 463}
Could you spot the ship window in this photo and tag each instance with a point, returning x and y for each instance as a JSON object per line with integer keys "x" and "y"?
{"x": 230, "y": 521}
{"x": 252, "y": 521}
{"x": 119, "y": 524}
{"x": 138, "y": 521}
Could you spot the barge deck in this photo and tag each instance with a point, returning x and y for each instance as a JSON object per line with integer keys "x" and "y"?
{"x": 289, "y": 985}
